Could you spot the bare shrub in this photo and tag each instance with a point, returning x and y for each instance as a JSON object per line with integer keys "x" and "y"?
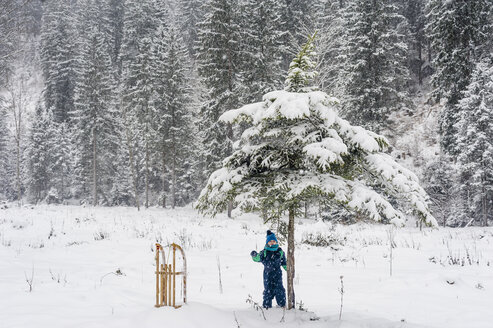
{"x": 320, "y": 239}
{"x": 100, "y": 235}
{"x": 30, "y": 280}
{"x": 57, "y": 277}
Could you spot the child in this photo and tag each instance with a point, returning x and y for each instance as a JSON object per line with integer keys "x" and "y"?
{"x": 272, "y": 257}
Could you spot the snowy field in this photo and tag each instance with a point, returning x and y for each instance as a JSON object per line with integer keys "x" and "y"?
{"x": 94, "y": 267}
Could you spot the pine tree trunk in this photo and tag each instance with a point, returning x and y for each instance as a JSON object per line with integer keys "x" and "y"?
{"x": 484, "y": 205}
{"x": 164, "y": 175}
{"x": 131, "y": 160}
{"x": 173, "y": 179}
{"x": 94, "y": 169}
{"x": 230, "y": 209}
{"x": 420, "y": 60}
{"x": 134, "y": 176}
{"x": 19, "y": 169}
{"x": 62, "y": 187}
{"x": 17, "y": 111}
{"x": 147, "y": 175}
{"x": 429, "y": 51}
{"x": 230, "y": 202}
{"x": 147, "y": 157}
{"x": 173, "y": 163}
{"x": 290, "y": 260}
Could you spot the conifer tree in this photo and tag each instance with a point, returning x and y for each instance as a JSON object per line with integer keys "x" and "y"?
{"x": 476, "y": 143}
{"x": 297, "y": 148}
{"x": 141, "y": 104}
{"x": 375, "y": 67}
{"x": 418, "y": 49}
{"x": 442, "y": 187}
{"x": 190, "y": 14}
{"x": 218, "y": 61}
{"x": 298, "y": 18}
{"x": 95, "y": 118}
{"x": 331, "y": 43}
{"x": 161, "y": 78}
{"x": 460, "y": 32}
{"x": 177, "y": 106}
{"x": 39, "y": 155}
{"x": 4, "y": 154}
{"x": 142, "y": 20}
{"x": 12, "y": 23}
{"x": 59, "y": 63}
{"x": 262, "y": 49}
{"x": 122, "y": 187}
{"x": 116, "y": 11}
{"x": 62, "y": 156}
{"x": 58, "y": 58}
{"x": 302, "y": 69}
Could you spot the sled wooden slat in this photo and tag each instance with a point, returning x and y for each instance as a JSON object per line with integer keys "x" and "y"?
{"x": 166, "y": 277}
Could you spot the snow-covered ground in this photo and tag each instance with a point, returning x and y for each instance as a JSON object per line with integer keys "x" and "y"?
{"x": 73, "y": 254}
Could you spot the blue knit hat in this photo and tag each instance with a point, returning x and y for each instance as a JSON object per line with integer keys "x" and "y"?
{"x": 270, "y": 236}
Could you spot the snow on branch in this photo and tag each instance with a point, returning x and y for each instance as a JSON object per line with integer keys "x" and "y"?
{"x": 298, "y": 147}
{"x": 402, "y": 181}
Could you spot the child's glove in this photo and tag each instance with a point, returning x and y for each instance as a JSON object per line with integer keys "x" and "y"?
{"x": 253, "y": 253}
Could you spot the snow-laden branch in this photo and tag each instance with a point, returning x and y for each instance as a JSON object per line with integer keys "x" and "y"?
{"x": 297, "y": 148}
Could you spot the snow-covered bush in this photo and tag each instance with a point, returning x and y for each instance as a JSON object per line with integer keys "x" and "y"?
{"x": 321, "y": 239}
{"x": 101, "y": 234}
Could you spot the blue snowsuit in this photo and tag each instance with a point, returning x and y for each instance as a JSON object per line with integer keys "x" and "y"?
{"x": 272, "y": 258}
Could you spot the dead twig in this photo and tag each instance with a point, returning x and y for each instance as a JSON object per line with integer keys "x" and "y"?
{"x": 30, "y": 280}
{"x": 118, "y": 272}
{"x": 256, "y": 306}
{"x": 341, "y": 291}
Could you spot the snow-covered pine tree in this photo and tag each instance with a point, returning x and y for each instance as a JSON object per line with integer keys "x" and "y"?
{"x": 95, "y": 118}
{"x": 261, "y": 48}
{"x": 418, "y": 50}
{"x": 62, "y": 154}
{"x": 302, "y": 71}
{"x": 16, "y": 103}
{"x": 297, "y": 148}
{"x": 141, "y": 21}
{"x": 190, "y": 13}
{"x": 460, "y": 31}
{"x": 4, "y": 154}
{"x": 331, "y": 42}
{"x": 10, "y": 188}
{"x": 174, "y": 120}
{"x": 58, "y": 55}
{"x": 39, "y": 155}
{"x": 298, "y": 18}
{"x": 218, "y": 61}
{"x": 476, "y": 144}
{"x": 58, "y": 58}
{"x": 139, "y": 102}
{"x": 122, "y": 188}
{"x": 116, "y": 12}
{"x": 161, "y": 81}
{"x": 178, "y": 102}
{"x": 12, "y": 23}
{"x": 375, "y": 69}
{"x": 441, "y": 185}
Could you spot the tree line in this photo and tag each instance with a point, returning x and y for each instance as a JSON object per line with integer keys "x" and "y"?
{"x": 133, "y": 90}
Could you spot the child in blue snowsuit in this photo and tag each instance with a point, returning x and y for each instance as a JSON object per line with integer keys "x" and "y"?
{"x": 272, "y": 257}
